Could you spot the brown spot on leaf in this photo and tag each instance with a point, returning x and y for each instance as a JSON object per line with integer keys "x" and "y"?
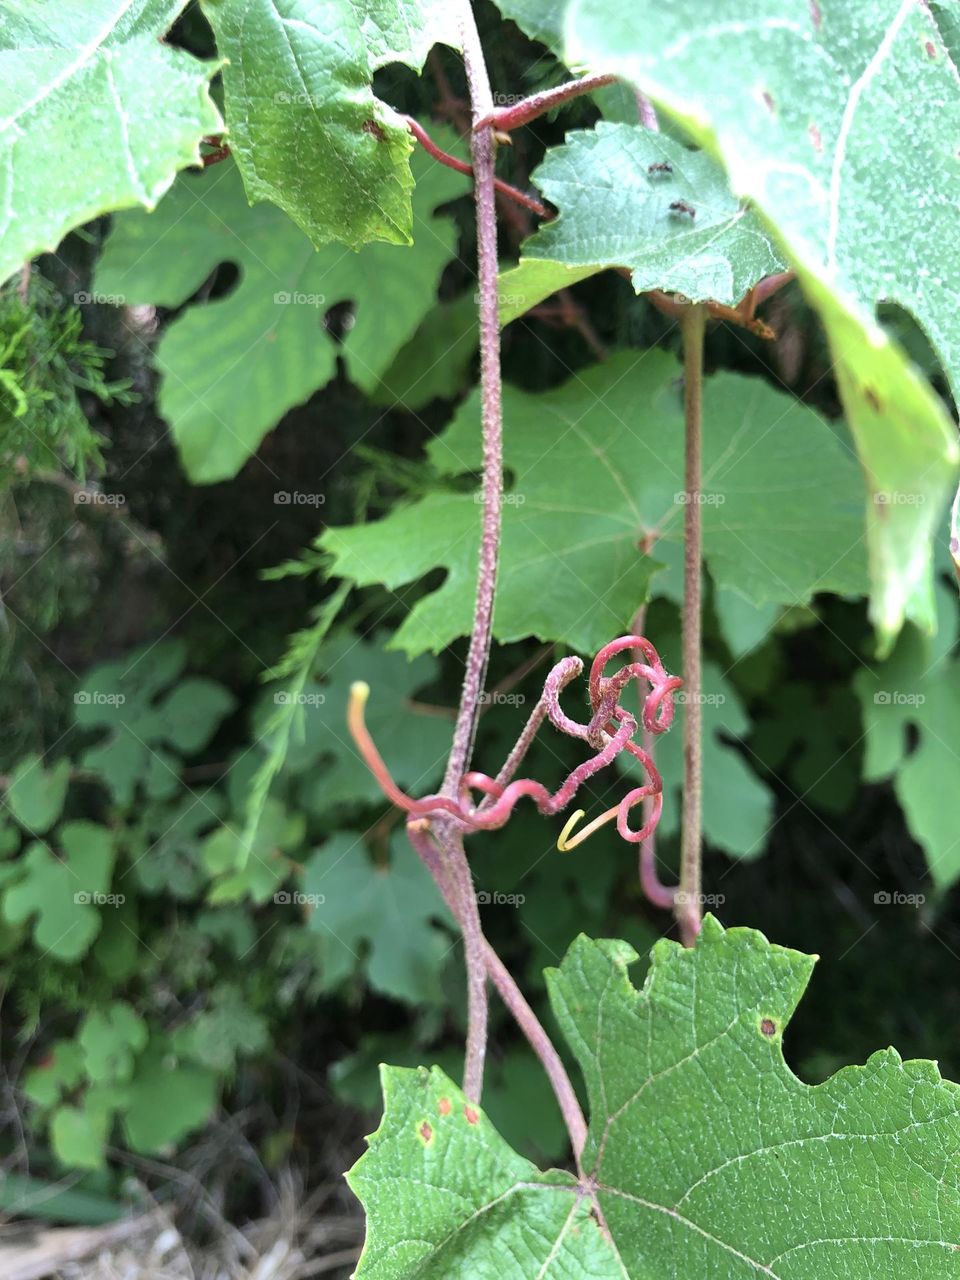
{"x": 767, "y": 97}
{"x": 931, "y": 49}
{"x": 815, "y": 14}
{"x": 872, "y": 399}
{"x": 443, "y": 1106}
{"x": 471, "y": 1115}
{"x": 426, "y": 1131}
{"x": 815, "y": 137}
{"x": 768, "y": 1027}
{"x": 375, "y": 131}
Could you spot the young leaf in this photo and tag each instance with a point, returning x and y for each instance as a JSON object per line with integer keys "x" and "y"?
{"x": 36, "y": 795}
{"x": 58, "y": 892}
{"x": 391, "y": 908}
{"x": 597, "y": 469}
{"x": 96, "y": 113}
{"x": 706, "y": 1156}
{"x": 233, "y": 366}
{"x": 110, "y": 1038}
{"x": 615, "y": 211}
{"x": 132, "y": 698}
{"x": 297, "y": 84}
{"x": 918, "y": 689}
{"x": 811, "y": 109}
{"x": 219, "y": 1034}
{"x": 165, "y": 1101}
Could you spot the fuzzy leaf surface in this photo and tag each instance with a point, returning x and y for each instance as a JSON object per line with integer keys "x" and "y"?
{"x": 297, "y": 85}
{"x": 96, "y": 113}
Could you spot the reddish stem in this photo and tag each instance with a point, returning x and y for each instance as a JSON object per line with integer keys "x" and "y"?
{"x": 512, "y": 997}
{"x": 461, "y": 166}
{"x": 538, "y": 104}
{"x": 689, "y": 898}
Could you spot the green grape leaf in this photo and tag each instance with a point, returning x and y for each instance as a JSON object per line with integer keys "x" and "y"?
{"x": 168, "y": 849}
{"x": 61, "y": 894}
{"x": 132, "y": 698}
{"x": 743, "y": 624}
{"x": 57, "y": 1074}
{"x": 218, "y": 1035}
{"x": 322, "y": 756}
{"x": 615, "y": 211}
{"x": 539, "y": 19}
{"x": 36, "y": 795}
{"x": 233, "y": 366}
{"x": 78, "y": 1135}
{"x": 812, "y": 737}
{"x": 839, "y": 123}
{"x": 110, "y": 1039}
{"x": 597, "y": 468}
{"x": 96, "y": 113}
{"x": 706, "y": 1156}
{"x": 436, "y": 361}
{"x": 918, "y": 689}
{"x": 386, "y": 911}
{"x": 297, "y": 84}
{"x": 166, "y": 1101}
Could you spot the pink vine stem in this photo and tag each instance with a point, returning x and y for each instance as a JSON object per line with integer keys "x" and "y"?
{"x": 689, "y": 898}
{"x": 437, "y": 823}
{"x": 515, "y": 1001}
{"x": 461, "y": 166}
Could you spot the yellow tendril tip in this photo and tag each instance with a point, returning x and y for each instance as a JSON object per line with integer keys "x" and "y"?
{"x": 568, "y": 828}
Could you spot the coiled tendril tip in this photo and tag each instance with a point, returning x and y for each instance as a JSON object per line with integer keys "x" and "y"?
{"x": 568, "y": 826}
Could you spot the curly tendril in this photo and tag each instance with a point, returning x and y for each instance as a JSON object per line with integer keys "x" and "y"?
{"x": 485, "y": 803}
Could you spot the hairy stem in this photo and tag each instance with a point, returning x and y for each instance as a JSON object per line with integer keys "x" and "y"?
{"x": 511, "y": 995}
{"x": 543, "y": 1047}
{"x": 483, "y": 148}
{"x": 688, "y": 903}
{"x": 457, "y": 868}
{"x": 538, "y": 104}
{"x": 450, "y": 837}
{"x": 461, "y": 166}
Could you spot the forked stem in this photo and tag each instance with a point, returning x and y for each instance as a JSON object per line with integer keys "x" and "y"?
{"x": 689, "y": 897}
{"x": 510, "y": 993}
